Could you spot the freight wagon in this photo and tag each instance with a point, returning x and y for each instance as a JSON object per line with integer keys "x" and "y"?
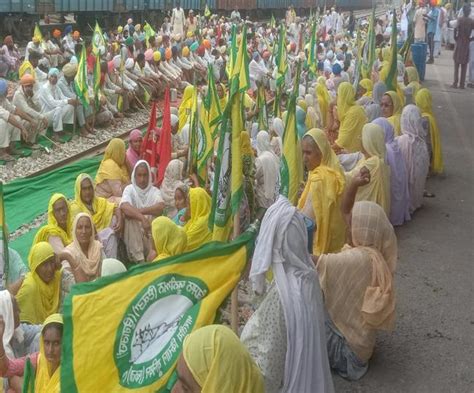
{"x": 18, "y": 17}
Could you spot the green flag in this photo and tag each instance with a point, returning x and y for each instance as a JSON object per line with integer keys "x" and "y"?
{"x": 312, "y": 59}
{"x": 80, "y": 80}
{"x": 369, "y": 49}
{"x": 272, "y": 22}
{"x": 391, "y": 80}
{"x": 281, "y": 59}
{"x": 28, "y": 378}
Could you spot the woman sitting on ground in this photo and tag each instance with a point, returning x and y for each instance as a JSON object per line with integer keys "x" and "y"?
{"x": 135, "y": 140}
{"x": 214, "y": 360}
{"x": 374, "y": 150}
{"x": 169, "y": 239}
{"x": 46, "y": 363}
{"x": 424, "y": 102}
{"x": 415, "y": 153}
{"x": 322, "y": 195}
{"x": 57, "y": 231}
{"x": 399, "y": 194}
{"x": 141, "y": 203}
{"x": 357, "y": 284}
{"x": 286, "y": 334}
{"x": 392, "y": 110}
{"x": 197, "y": 216}
{"x": 39, "y": 294}
{"x": 85, "y": 253}
{"x": 107, "y": 217}
{"x": 267, "y": 172}
{"x": 112, "y": 176}
{"x": 351, "y": 119}
{"x": 173, "y": 179}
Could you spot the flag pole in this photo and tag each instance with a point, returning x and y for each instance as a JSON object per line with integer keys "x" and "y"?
{"x": 5, "y": 253}
{"x": 234, "y": 299}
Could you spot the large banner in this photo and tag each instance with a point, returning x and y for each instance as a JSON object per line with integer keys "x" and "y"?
{"x": 124, "y": 333}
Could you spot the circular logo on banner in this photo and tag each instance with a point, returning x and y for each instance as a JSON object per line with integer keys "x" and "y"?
{"x": 150, "y": 335}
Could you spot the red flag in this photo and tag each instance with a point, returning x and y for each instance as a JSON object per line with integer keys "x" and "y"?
{"x": 164, "y": 147}
{"x": 149, "y": 149}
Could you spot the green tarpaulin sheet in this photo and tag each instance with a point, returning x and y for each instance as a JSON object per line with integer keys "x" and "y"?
{"x": 26, "y": 199}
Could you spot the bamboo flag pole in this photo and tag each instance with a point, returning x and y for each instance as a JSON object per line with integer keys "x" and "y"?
{"x": 234, "y": 299}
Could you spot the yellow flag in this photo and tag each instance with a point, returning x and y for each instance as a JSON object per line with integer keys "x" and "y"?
{"x": 37, "y": 33}
{"x": 124, "y": 333}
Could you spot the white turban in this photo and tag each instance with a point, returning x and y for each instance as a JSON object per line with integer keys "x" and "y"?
{"x": 174, "y": 120}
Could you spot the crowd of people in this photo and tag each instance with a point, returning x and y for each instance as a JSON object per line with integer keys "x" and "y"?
{"x": 367, "y": 151}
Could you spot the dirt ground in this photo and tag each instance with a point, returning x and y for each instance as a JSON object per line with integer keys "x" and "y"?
{"x": 431, "y": 348}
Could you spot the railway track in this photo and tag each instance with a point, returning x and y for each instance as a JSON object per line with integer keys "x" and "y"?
{"x": 90, "y": 152}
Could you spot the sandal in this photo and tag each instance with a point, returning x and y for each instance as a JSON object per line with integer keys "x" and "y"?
{"x": 428, "y": 194}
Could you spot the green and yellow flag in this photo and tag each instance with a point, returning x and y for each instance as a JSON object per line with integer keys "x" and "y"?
{"x": 207, "y": 11}
{"x": 121, "y": 71}
{"x": 124, "y": 333}
{"x": 37, "y": 33}
{"x": 291, "y": 171}
{"x": 369, "y": 49}
{"x": 272, "y": 22}
{"x": 80, "y": 80}
{"x": 312, "y": 58}
{"x": 149, "y": 32}
{"x": 391, "y": 80}
{"x": 281, "y": 57}
{"x": 232, "y": 52}
{"x": 4, "y": 238}
{"x": 227, "y": 187}
{"x": 240, "y": 82}
{"x": 98, "y": 41}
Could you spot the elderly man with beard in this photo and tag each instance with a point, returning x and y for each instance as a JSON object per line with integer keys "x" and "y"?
{"x": 24, "y": 100}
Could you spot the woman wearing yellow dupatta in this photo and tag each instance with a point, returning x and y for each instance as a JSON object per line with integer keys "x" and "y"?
{"x": 169, "y": 238}
{"x": 322, "y": 195}
{"x": 368, "y": 86}
{"x": 44, "y": 376}
{"x": 112, "y": 175}
{"x": 424, "y": 101}
{"x": 214, "y": 360}
{"x": 58, "y": 229}
{"x": 323, "y": 98}
{"x": 48, "y": 369}
{"x": 39, "y": 293}
{"x": 185, "y": 106}
{"x": 374, "y": 150}
{"x": 412, "y": 81}
{"x": 352, "y": 118}
{"x": 220, "y": 87}
{"x": 101, "y": 210}
{"x": 392, "y": 110}
{"x": 197, "y": 212}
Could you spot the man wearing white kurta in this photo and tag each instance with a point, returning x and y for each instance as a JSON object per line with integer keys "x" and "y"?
{"x": 178, "y": 19}
{"x": 55, "y": 105}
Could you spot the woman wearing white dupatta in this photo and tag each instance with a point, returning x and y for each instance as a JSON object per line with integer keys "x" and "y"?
{"x": 267, "y": 175}
{"x": 286, "y": 335}
{"x": 172, "y": 180}
{"x": 141, "y": 203}
{"x": 277, "y": 139}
